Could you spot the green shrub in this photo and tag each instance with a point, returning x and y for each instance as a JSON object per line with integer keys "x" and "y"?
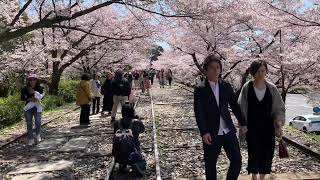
{"x": 50, "y": 102}
{"x": 11, "y": 110}
{"x": 68, "y": 89}
{"x": 11, "y": 107}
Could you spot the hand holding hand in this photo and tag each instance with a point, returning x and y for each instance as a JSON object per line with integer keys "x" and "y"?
{"x": 278, "y": 132}
{"x": 243, "y": 130}
{"x": 207, "y": 139}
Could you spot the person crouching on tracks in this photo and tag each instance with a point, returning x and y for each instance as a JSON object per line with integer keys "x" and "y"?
{"x": 264, "y": 111}
{"x": 211, "y": 100}
{"x": 126, "y": 145}
{"x": 83, "y": 99}
{"x": 121, "y": 91}
{"x": 32, "y": 94}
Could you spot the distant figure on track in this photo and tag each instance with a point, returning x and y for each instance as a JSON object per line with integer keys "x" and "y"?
{"x": 169, "y": 76}
{"x": 264, "y": 112}
{"x": 161, "y": 78}
{"x": 146, "y": 82}
{"x": 211, "y": 101}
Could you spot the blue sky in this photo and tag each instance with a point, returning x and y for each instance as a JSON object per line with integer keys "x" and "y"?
{"x": 307, "y": 4}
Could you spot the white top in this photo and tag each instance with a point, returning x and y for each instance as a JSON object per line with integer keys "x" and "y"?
{"x": 223, "y": 129}
{"x": 260, "y": 93}
{"x": 36, "y": 104}
{"x": 96, "y": 88}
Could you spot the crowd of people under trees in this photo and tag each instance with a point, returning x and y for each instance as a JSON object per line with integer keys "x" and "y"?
{"x": 259, "y": 110}
{"x": 119, "y": 88}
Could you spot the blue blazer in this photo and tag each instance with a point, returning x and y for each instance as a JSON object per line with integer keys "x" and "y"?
{"x": 207, "y": 111}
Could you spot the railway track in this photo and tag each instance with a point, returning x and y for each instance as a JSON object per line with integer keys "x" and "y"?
{"x": 177, "y": 147}
{"x": 287, "y": 139}
{"x": 171, "y": 144}
{"x": 16, "y": 138}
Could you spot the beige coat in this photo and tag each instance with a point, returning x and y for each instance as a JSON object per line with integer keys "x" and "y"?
{"x": 278, "y": 107}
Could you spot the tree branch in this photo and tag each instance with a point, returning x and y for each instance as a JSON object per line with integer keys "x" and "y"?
{"x": 295, "y": 16}
{"x": 47, "y": 23}
{"x": 153, "y": 12}
{"x": 97, "y": 35}
{"x": 16, "y": 18}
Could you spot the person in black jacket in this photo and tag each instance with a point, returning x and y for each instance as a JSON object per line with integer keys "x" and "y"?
{"x": 121, "y": 91}
{"x": 137, "y": 163}
{"x": 28, "y": 95}
{"x": 211, "y": 100}
{"x": 107, "y": 94}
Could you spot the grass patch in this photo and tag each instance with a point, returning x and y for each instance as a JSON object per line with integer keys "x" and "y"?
{"x": 295, "y": 132}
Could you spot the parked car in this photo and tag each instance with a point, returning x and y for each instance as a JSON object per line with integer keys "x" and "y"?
{"x": 306, "y": 123}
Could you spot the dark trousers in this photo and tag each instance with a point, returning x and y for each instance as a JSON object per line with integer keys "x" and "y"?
{"x": 95, "y": 103}
{"x": 211, "y": 152}
{"x": 151, "y": 79}
{"x": 84, "y": 114}
{"x": 107, "y": 103}
{"x": 170, "y": 81}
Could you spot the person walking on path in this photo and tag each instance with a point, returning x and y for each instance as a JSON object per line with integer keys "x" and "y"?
{"x": 211, "y": 107}
{"x": 96, "y": 91}
{"x": 121, "y": 91}
{"x": 130, "y": 79}
{"x": 151, "y": 75}
{"x": 161, "y": 78}
{"x": 107, "y": 94}
{"x": 169, "y": 76}
{"x": 141, "y": 80}
{"x": 83, "y": 99}
{"x": 32, "y": 94}
{"x": 146, "y": 82}
{"x": 136, "y": 79}
{"x": 264, "y": 112}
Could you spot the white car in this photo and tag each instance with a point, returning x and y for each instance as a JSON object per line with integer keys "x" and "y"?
{"x": 306, "y": 123}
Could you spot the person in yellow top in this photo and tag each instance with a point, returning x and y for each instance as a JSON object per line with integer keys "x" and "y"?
{"x": 83, "y": 99}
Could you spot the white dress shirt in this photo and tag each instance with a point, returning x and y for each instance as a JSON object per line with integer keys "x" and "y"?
{"x": 223, "y": 129}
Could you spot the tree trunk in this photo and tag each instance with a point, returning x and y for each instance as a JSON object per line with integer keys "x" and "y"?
{"x": 55, "y": 79}
{"x": 243, "y": 81}
{"x": 284, "y": 90}
{"x": 4, "y": 91}
{"x": 284, "y": 96}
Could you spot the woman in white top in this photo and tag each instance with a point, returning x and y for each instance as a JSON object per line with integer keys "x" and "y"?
{"x": 264, "y": 111}
{"x": 96, "y": 91}
{"x": 32, "y": 94}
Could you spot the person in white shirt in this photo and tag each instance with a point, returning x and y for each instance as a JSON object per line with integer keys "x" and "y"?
{"x": 96, "y": 91}
{"x": 212, "y": 99}
{"x": 32, "y": 94}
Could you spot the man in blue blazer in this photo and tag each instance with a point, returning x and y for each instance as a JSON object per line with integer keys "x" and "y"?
{"x": 211, "y": 106}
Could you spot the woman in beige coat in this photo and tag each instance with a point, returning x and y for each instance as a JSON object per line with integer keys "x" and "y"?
{"x": 264, "y": 112}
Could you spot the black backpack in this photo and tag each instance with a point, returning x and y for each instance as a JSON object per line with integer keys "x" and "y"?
{"x": 123, "y": 145}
